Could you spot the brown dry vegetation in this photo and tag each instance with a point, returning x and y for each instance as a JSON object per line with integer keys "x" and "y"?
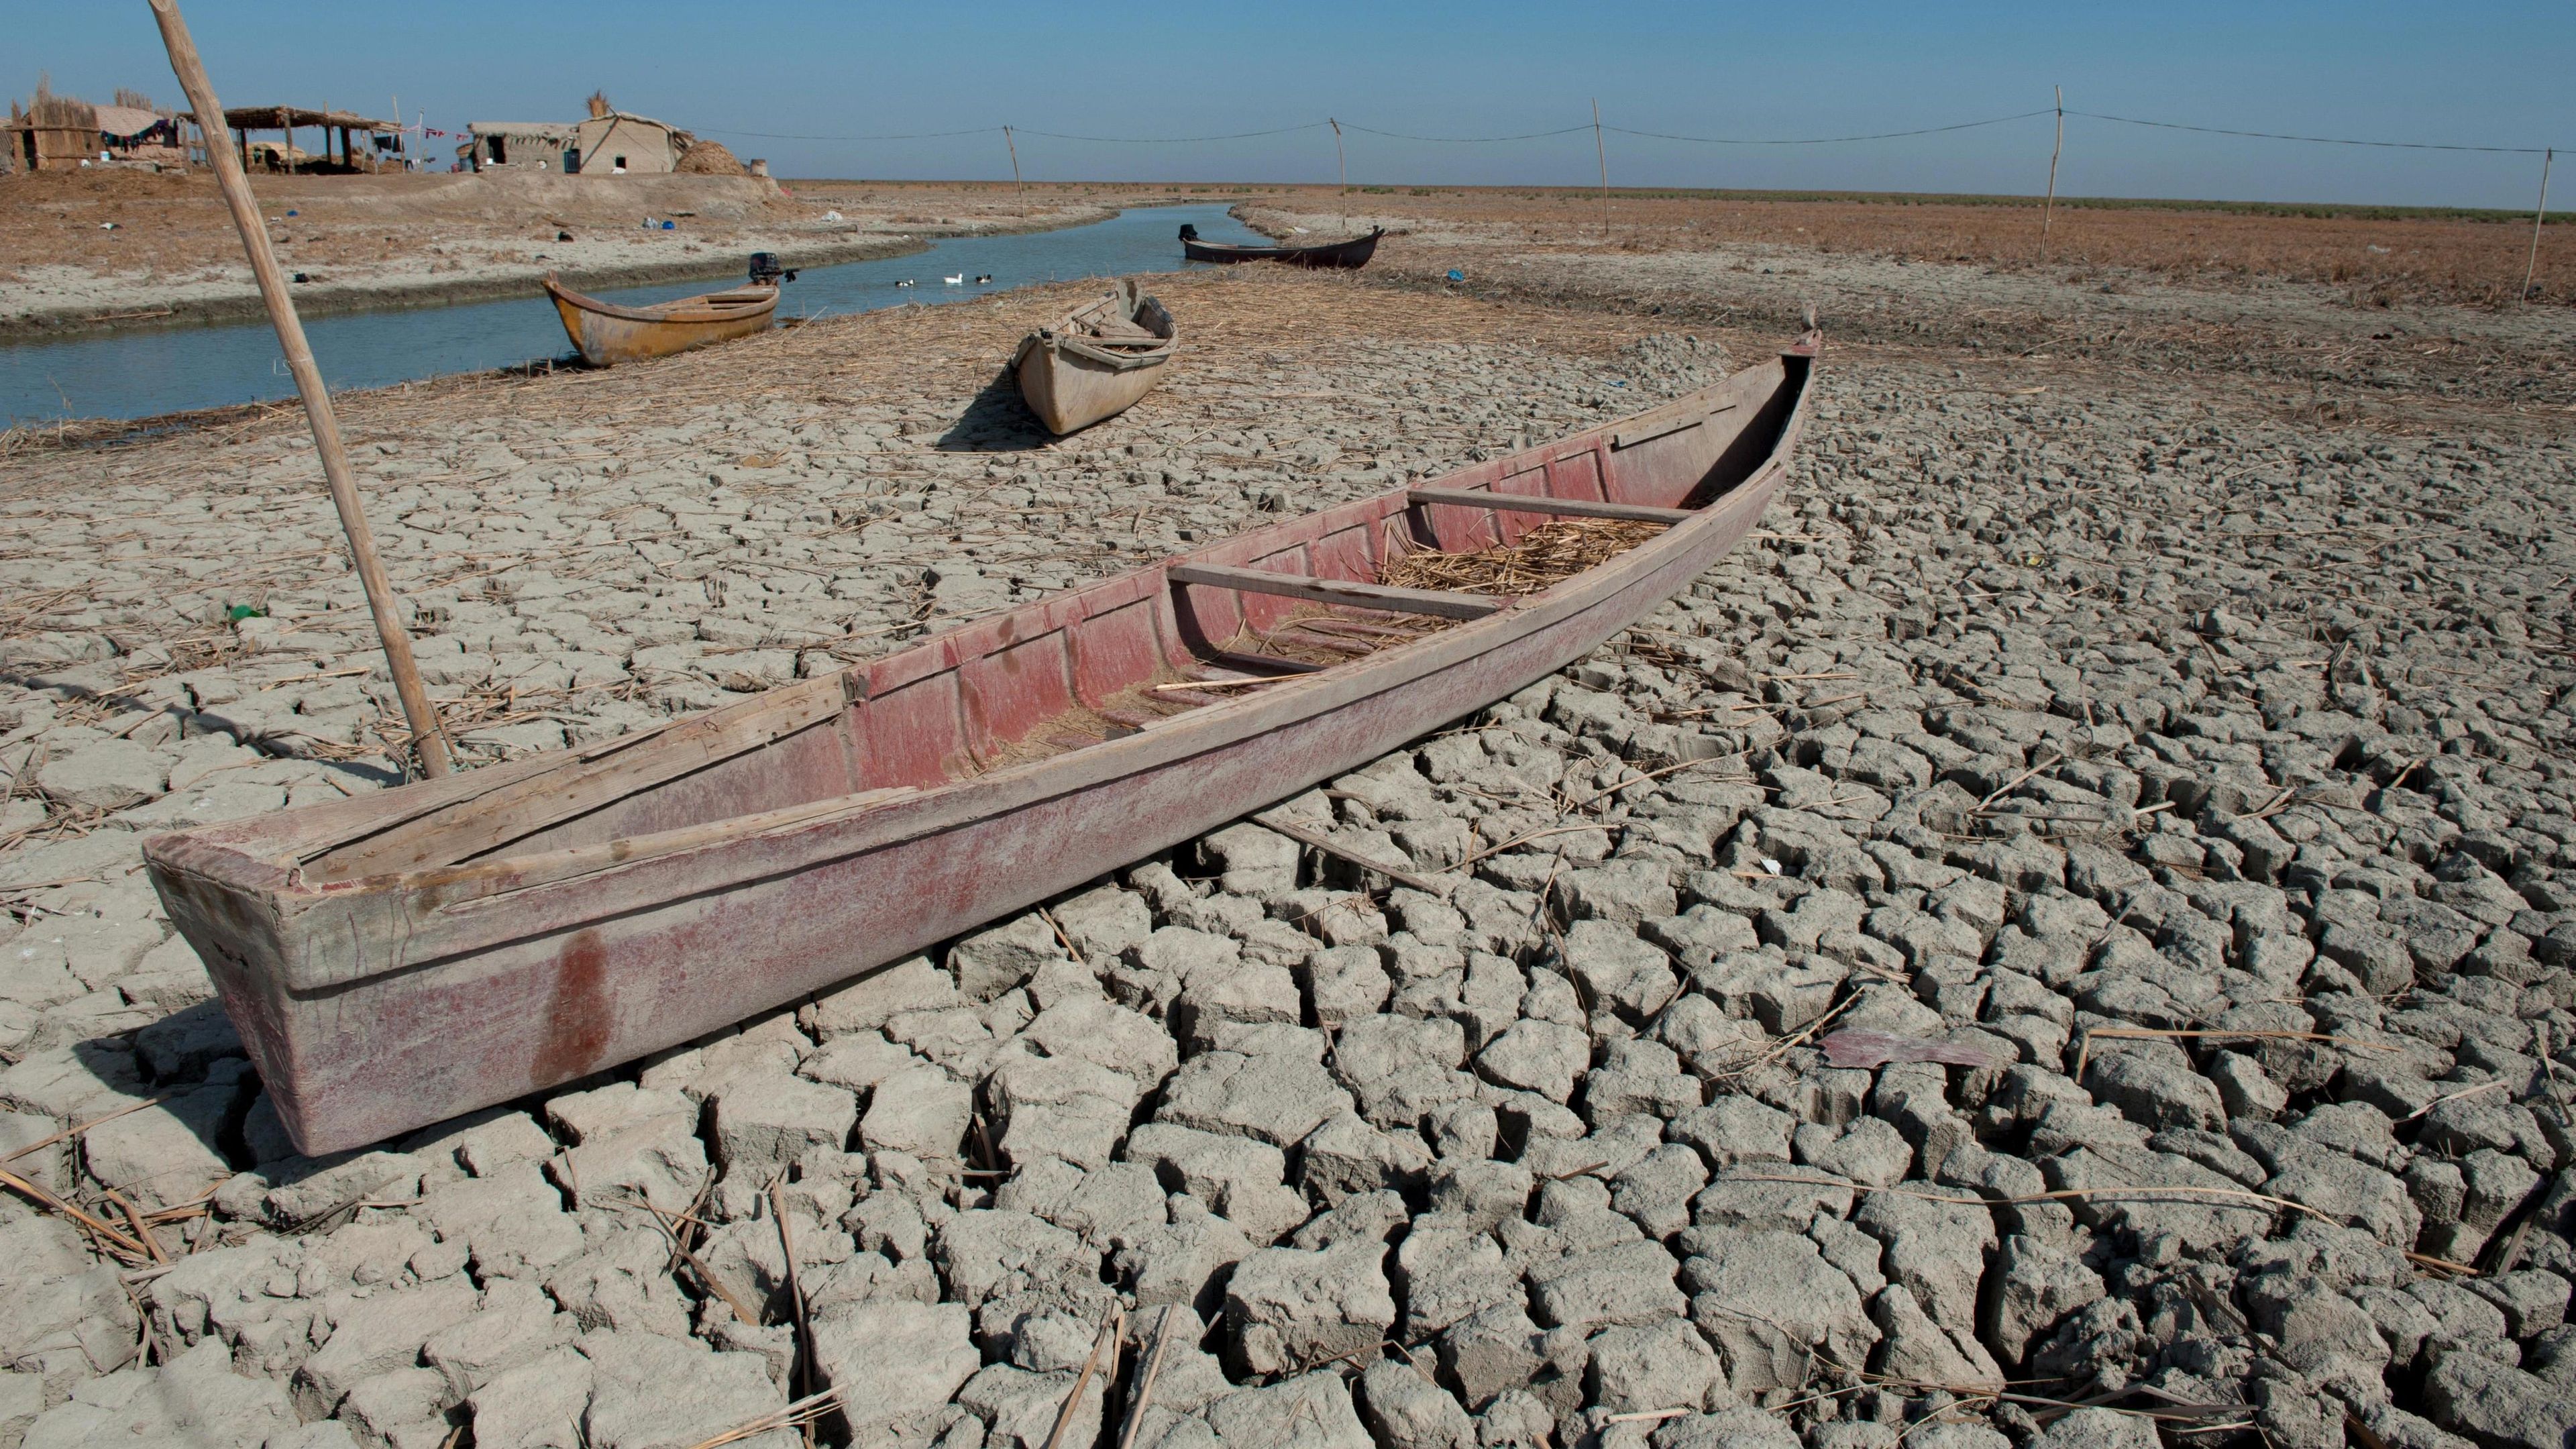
{"x": 2382, "y": 259}
{"x": 175, "y": 225}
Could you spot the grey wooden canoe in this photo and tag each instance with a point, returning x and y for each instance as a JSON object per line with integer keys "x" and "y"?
{"x": 1096, "y": 360}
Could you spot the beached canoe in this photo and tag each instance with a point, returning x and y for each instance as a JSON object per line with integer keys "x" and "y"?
{"x": 397, "y": 958}
{"x": 1348, "y": 255}
{"x": 1096, "y": 360}
{"x": 607, "y": 333}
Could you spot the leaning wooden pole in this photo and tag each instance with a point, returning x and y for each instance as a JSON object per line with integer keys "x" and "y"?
{"x": 427, "y": 743}
{"x": 2048, "y": 208}
{"x": 2531, "y": 265}
{"x": 1601, "y": 152}
{"x": 1015, "y": 161}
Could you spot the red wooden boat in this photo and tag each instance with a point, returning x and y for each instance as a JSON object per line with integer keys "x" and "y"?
{"x": 398, "y": 958}
{"x": 1348, "y": 255}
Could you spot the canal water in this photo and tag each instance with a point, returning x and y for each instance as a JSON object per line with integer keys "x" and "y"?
{"x": 147, "y": 372}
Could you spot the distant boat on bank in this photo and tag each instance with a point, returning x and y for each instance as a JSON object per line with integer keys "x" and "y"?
{"x": 1345, "y": 255}
{"x": 607, "y": 333}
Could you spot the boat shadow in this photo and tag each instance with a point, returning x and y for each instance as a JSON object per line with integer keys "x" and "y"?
{"x": 996, "y": 421}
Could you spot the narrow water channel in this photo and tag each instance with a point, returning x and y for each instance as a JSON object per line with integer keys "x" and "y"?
{"x": 149, "y": 372}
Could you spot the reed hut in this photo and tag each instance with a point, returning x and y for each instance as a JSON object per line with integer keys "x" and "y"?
{"x": 287, "y": 120}
{"x": 56, "y": 133}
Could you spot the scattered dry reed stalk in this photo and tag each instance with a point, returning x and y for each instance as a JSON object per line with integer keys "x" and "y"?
{"x": 1145, "y": 1386}
{"x": 2152, "y": 1033}
{"x": 1110, "y": 1329}
{"x": 797, "y": 1415}
{"x": 2064, "y": 1194}
{"x": 113, "y": 1238}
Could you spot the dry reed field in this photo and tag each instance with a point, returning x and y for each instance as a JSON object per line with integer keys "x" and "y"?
{"x": 2381, "y": 255}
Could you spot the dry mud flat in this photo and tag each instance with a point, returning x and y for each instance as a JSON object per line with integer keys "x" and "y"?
{"x": 2053, "y": 726}
{"x": 2296, "y": 345}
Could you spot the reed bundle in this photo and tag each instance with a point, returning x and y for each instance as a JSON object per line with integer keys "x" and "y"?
{"x": 1544, "y": 556}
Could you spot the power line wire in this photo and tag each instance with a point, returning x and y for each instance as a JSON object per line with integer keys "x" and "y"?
{"x": 2319, "y": 140}
{"x": 1466, "y": 140}
{"x": 905, "y": 136}
{"x": 1653, "y": 135}
{"x": 1173, "y": 140}
{"x": 1837, "y": 140}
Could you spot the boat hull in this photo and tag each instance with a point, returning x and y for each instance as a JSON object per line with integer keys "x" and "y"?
{"x": 1342, "y": 255}
{"x": 1070, "y": 384}
{"x": 377, "y": 1004}
{"x": 606, "y": 334}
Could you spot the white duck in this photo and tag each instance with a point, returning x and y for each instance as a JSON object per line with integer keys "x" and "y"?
{"x": 956, "y": 281}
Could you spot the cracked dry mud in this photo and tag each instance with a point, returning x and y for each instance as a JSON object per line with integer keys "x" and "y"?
{"x": 2207, "y": 774}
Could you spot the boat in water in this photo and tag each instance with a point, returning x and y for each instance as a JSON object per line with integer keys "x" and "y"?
{"x": 607, "y": 333}
{"x": 394, "y": 959}
{"x": 1096, "y": 360}
{"x": 1346, "y": 255}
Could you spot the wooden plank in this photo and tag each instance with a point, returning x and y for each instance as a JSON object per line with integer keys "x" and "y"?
{"x": 1651, "y": 427}
{"x": 524, "y": 872}
{"x": 1568, "y": 507}
{"x": 528, "y": 806}
{"x": 1338, "y": 591}
{"x": 1253, "y": 662}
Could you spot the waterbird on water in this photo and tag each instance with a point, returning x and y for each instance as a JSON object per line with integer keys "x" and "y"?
{"x": 906, "y": 282}
{"x": 982, "y": 277}
{"x": 956, "y": 281}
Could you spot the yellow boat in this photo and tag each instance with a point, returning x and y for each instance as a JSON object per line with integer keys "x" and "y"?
{"x": 607, "y": 333}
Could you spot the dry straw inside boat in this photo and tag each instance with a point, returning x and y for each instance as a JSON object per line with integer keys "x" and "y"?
{"x": 1546, "y": 555}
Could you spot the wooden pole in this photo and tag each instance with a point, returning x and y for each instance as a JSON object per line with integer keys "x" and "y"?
{"x": 1602, "y": 152}
{"x": 1015, "y": 163}
{"x": 417, "y": 711}
{"x": 2531, "y": 266}
{"x": 2048, "y": 208}
{"x": 1343, "y": 166}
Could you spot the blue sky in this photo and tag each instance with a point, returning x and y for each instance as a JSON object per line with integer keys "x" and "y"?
{"x": 2494, "y": 73}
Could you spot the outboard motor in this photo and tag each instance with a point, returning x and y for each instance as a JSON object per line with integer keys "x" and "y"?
{"x": 765, "y": 271}
{"x": 1189, "y": 232}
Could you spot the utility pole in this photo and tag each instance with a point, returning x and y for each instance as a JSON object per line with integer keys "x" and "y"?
{"x": 1343, "y": 166}
{"x": 2537, "y": 213}
{"x": 2048, "y": 208}
{"x": 1603, "y": 153}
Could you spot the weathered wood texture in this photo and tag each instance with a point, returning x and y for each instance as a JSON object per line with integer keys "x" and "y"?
{"x": 606, "y": 333}
{"x": 394, "y": 959}
{"x": 1096, "y": 360}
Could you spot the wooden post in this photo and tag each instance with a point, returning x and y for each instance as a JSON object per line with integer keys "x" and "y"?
{"x": 1015, "y": 163}
{"x": 1603, "y": 153}
{"x": 1342, "y": 166}
{"x": 2531, "y": 266}
{"x": 2048, "y": 208}
{"x": 417, "y": 712}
